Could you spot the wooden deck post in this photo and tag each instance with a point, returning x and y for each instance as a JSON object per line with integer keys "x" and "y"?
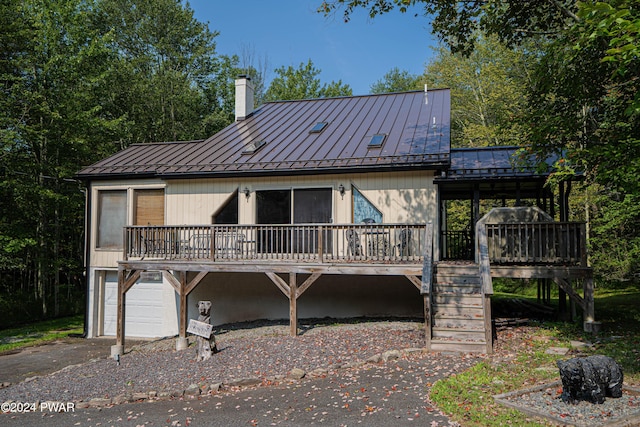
{"x": 427, "y": 279}
{"x": 181, "y": 342}
{"x": 589, "y": 306}
{"x": 427, "y": 321}
{"x": 118, "y": 349}
{"x": 562, "y": 304}
{"x": 488, "y": 325}
{"x": 293, "y": 305}
{"x": 125, "y": 282}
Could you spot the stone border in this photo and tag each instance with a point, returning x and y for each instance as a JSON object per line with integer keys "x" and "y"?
{"x": 626, "y": 421}
{"x": 195, "y": 390}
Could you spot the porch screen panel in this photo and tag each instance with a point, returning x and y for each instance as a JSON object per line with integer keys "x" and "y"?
{"x": 112, "y": 215}
{"x": 149, "y": 207}
{"x": 273, "y": 207}
{"x": 311, "y": 206}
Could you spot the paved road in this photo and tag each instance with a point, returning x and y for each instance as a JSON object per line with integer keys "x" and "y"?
{"x": 44, "y": 359}
{"x": 389, "y": 394}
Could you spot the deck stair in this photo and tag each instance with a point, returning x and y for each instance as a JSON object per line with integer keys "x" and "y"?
{"x": 458, "y": 321}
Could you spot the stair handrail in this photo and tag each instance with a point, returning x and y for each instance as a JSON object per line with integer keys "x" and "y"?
{"x": 483, "y": 258}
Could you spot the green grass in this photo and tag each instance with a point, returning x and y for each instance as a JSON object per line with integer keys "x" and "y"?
{"x": 467, "y": 397}
{"x": 40, "y": 333}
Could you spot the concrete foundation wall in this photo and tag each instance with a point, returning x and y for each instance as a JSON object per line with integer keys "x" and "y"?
{"x": 245, "y": 296}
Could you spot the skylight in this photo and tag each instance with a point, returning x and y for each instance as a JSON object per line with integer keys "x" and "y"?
{"x": 319, "y": 127}
{"x": 254, "y": 146}
{"x": 377, "y": 140}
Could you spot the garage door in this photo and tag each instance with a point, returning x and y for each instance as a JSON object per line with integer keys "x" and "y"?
{"x": 144, "y": 307}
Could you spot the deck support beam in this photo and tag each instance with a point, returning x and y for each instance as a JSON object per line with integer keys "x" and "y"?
{"x": 185, "y": 288}
{"x": 292, "y": 291}
{"x": 182, "y": 288}
{"x": 417, "y": 282}
{"x": 125, "y": 282}
{"x": 293, "y": 305}
{"x": 181, "y": 341}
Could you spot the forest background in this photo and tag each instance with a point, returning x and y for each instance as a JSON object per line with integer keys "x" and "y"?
{"x": 82, "y": 79}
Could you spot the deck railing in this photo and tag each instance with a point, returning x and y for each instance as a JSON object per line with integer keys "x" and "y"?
{"x": 456, "y": 245}
{"x": 558, "y": 243}
{"x": 381, "y": 243}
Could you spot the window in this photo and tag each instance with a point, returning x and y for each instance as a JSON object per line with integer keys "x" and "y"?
{"x": 363, "y": 209}
{"x": 112, "y": 216}
{"x": 377, "y": 140}
{"x": 312, "y": 205}
{"x": 299, "y": 206}
{"x": 274, "y": 207}
{"x": 254, "y": 146}
{"x": 228, "y": 212}
{"x": 148, "y": 207}
{"x": 319, "y": 127}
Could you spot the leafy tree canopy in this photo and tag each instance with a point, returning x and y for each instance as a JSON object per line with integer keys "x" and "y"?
{"x": 583, "y": 95}
{"x": 303, "y": 83}
{"x": 458, "y": 22}
{"x": 397, "y": 80}
{"x": 488, "y": 92}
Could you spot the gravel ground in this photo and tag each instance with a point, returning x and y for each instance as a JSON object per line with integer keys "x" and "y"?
{"x": 263, "y": 353}
{"x": 549, "y": 402}
{"x": 246, "y": 351}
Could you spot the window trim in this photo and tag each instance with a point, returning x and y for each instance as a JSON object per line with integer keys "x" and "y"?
{"x": 319, "y": 127}
{"x": 129, "y": 214}
{"x": 292, "y": 200}
{"x": 254, "y": 146}
{"x": 98, "y": 216}
{"x": 382, "y": 137}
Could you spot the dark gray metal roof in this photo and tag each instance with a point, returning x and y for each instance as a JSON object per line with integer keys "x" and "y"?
{"x": 417, "y": 132}
{"x": 495, "y": 172}
{"x": 494, "y": 163}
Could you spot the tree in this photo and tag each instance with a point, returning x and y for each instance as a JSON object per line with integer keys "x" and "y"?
{"x": 165, "y": 60}
{"x": 80, "y": 79}
{"x": 583, "y": 101}
{"x": 457, "y": 23}
{"x": 50, "y": 124}
{"x": 488, "y": 92}
{"x": 397, "y": 80}
{"x": 583, "y": 96}
{"x": 303, "y": 83}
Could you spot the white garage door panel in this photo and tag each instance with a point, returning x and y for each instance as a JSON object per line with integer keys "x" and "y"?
{"x": 144, "y": 309}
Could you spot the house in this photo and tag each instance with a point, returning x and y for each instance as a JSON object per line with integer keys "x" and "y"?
{"x": 337, "y": 203}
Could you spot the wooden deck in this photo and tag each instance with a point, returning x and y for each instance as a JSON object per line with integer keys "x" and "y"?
{"x": 283, "y": 253}
{"x": 319, "y": 243}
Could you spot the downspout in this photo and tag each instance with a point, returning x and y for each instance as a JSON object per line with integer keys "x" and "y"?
{"x": 87, "y": 255}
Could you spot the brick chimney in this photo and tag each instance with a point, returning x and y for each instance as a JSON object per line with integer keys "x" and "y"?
{"x": 244, "y": 97}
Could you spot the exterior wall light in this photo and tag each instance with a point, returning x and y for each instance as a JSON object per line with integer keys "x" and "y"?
{"x": 246, "y": 192}
{"x": 341, "y": 190}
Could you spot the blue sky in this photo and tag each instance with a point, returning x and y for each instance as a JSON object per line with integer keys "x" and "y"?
{"x": 288, "y": 32}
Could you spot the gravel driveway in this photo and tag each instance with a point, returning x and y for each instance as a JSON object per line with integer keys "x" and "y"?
{"x": 249, "y": 354}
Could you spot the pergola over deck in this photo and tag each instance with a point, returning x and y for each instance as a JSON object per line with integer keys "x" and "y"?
{"x": 500, "y": 174}
{"x": 186, "y": 254}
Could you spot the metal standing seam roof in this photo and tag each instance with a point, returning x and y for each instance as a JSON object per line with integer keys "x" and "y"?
{"x": 417, "y": 129}
{"x": 495, "y": 162}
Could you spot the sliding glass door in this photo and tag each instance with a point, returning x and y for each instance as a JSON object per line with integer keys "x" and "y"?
{"x": 298, "y": 206}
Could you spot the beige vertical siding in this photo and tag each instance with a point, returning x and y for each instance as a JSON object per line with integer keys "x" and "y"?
{"x": 401, "y": 196}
